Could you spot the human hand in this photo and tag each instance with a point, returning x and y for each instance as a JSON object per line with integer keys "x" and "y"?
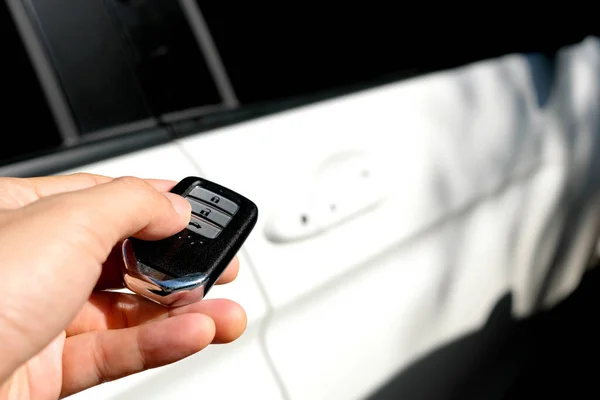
{"x": 59, "y": 333}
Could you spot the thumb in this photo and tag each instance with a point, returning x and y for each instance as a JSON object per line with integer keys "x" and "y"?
{"x": 52, "y": 252}
{"x": 93, "y": 220}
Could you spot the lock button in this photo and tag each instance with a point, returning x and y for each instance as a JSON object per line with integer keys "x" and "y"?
{"x": 214, "y": 199}
{"x": 208, "y": 213}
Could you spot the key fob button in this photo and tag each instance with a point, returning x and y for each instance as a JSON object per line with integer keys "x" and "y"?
{"x": 210, "y": 213}
{"x": 182, "y": 268}
{"x": 203, "y": 228}
{"x": 214, "y": 199}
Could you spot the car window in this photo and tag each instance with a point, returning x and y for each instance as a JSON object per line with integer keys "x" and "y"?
{"x": 123, "y": 75}
{"x": 28, "y": 125}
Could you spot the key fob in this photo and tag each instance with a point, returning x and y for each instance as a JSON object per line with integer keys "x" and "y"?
{"x": 181, "y": 269}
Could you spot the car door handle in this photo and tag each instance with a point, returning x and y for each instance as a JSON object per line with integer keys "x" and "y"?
{"x": 343, "y": 187}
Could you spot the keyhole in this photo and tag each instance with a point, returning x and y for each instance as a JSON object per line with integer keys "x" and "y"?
{"x": 304, "y": 219}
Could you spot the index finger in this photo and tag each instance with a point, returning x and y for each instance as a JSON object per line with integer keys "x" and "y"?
{"x": 27, "y": 190}
{"x": 49, "y": 185}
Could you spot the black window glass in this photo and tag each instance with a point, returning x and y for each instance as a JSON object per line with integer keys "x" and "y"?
{"x": 27, "y": 123}
{"x": 274, "y": 50}
{"x": 91, "y": 63}
{"x": 166, "y": 56}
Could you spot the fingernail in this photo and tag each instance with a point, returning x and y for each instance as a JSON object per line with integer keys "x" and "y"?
{"x": 180, "y": 205}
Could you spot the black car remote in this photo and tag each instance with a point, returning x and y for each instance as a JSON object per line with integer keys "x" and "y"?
{"x": 181, "y": 269}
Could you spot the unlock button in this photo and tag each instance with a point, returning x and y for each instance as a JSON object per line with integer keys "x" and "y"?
{"x": 209, "y": 213}
{"x": 214, "y": 199}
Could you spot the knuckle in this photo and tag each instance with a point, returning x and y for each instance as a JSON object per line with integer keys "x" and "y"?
{"x": 80, "y": 227}
{"x": 90, "y": 240}
{"x": 91, "y": 178}
{"x": 16, "y": 193}
{"x": 100, "y": 361}
{"x": 137, "y": 185}
{"x": 85, "y": 175}
{"x": 131, "y": 181}
{"x": 149, "y": 201}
